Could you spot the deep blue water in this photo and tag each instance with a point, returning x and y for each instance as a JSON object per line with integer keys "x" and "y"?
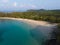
{"x": 13, "y": 32}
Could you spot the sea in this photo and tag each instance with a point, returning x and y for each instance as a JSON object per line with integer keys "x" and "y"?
{"x": 14, "y": 32}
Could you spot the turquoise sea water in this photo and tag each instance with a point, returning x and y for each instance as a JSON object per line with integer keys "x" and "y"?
{"x": 13, "y": 32}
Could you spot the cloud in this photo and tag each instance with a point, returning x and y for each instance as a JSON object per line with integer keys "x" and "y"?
{"x": 5, "y": 1}
{"x": 33, "y": 6}
{"x": 28, "y": 6}
{"x": 15, "y": 4}
{"x": 23, "y": 5}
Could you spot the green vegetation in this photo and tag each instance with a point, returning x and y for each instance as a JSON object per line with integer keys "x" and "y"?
{"x": 45, "y": 15}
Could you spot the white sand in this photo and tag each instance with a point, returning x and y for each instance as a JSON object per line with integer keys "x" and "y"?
{"x": 31, "y": 22}
{"x": 44, "y": 27}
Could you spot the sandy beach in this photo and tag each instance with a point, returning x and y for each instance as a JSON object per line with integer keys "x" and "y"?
{"x": 45, "y": 27}
{"x": 31, "y": 22}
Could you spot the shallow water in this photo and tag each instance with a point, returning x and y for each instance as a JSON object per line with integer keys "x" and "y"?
{"x": 13, "y": 32}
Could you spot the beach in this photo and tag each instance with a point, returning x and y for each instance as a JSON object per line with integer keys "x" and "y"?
{"x": 32, "y": 22}
{"x": 45, "y": 27}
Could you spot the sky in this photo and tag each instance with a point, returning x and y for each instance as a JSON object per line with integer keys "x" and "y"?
{"x": 29, "y": 4}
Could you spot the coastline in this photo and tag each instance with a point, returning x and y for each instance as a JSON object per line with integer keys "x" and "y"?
{"x": 45, "y": 27}
{"x": 31, "y": 22}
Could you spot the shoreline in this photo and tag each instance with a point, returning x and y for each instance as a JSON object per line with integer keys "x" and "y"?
{"x": 31, "y": 22}
{"x": 45, "y": 27}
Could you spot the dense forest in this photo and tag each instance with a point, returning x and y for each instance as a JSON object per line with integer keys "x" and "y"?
{"x": 52, "y": 16}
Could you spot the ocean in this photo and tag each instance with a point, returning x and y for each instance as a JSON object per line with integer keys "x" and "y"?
{"x": 13, "y": 32}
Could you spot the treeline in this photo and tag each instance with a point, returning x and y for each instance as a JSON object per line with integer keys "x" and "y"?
{"x": 45, "y": 15}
